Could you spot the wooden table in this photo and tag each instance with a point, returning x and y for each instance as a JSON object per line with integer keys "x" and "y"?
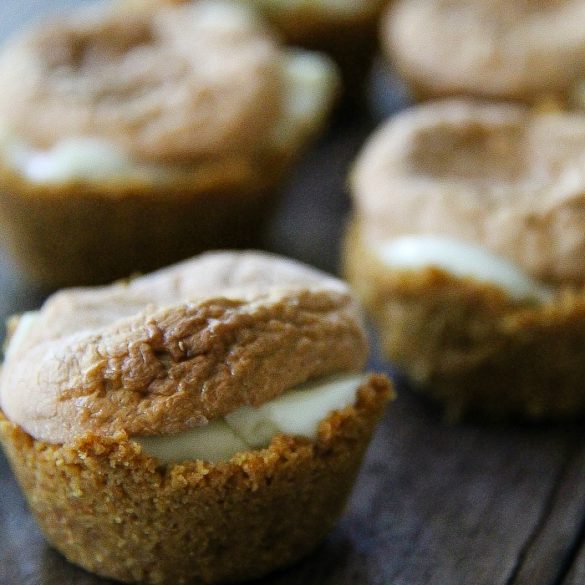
{"x": 434, "y": 505}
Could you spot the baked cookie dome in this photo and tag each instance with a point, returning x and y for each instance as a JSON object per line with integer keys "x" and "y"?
{"x": 198, "y": 425}
{"x": 526, "y": 50}
{"x": 142, "y": 134}
{"x": 466, "y": 245}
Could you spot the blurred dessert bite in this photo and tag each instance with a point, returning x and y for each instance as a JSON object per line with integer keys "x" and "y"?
{"x": 525, "y": 50}
{"x": 467, "y": 245}
{"x": 132, "y": 135}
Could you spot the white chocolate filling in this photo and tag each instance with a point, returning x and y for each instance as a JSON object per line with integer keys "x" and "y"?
{"x": 297, "y": 412}
{"x": 74, "y": 159}
{"x": 215, "y": 441}
{"x": 310, "y": 83}
{"x": 461, "y": 260}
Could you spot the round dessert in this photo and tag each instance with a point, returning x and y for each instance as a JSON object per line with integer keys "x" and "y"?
{"x": 344, "y": 29}
{"x": 528, "y": 50}
{"x": 132, "y": 135}
{"x": 202, "y": 424}
{"x": 467, "y": 247}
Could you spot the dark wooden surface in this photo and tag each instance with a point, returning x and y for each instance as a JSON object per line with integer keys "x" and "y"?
{"x": 434, "y": 505}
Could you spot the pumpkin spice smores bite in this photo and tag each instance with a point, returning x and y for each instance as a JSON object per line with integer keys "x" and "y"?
{"x": 467, "y": 247}
{"x": 527, "y": 50}
{"x": 201, "y": 424}
{"x": 132, "y": 135}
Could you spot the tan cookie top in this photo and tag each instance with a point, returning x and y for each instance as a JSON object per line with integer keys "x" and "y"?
{"x": 504, "y": 48}
{"x": 499, "y": 176}
{"x": 176, "y": 348}
{"x": 167, "y": 84}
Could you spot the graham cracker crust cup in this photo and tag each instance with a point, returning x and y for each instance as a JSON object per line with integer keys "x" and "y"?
{"x": 470, "y": 347}
{"x": 201, "y": 424}
{"x": 118, "y": 512}
{"x": 81, "y": 233}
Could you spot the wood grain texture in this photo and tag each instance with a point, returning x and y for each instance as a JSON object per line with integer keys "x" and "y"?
{"x": 439, "y": 505}
{"x": 551, "y": 552}
{"x": 577, "y": 573}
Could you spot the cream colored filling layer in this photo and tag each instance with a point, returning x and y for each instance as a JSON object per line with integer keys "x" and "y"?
{"x": 310, "y": 82}
{"x": 461, "y": 260}
{"x": 297, "y": 412}
{"x": 73, "y": 159}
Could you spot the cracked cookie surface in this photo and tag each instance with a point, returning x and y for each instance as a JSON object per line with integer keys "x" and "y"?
{"x": 174, "y": 349}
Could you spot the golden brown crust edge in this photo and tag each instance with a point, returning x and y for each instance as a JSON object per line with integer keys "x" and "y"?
{"x": 469, "y": 347}
{"x": 109, "y": 508}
